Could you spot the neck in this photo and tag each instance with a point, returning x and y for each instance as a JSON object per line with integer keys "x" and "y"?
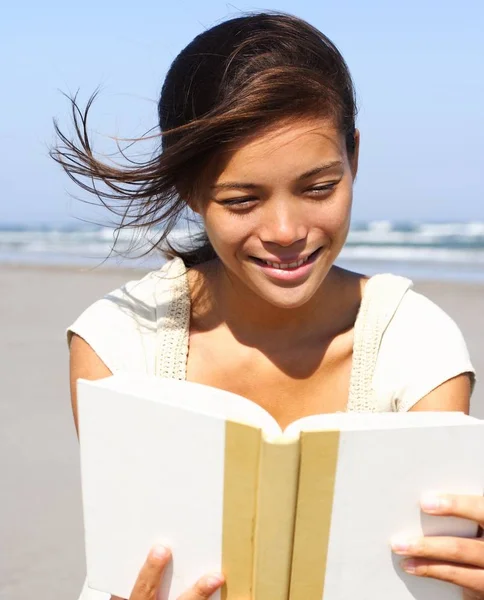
{"x": 331, "y": 310}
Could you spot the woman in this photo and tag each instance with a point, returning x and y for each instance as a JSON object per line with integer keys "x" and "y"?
{"x": 257, "y": 117}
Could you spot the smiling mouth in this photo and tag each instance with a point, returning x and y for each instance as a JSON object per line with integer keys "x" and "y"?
{"x": 286, "y": 266}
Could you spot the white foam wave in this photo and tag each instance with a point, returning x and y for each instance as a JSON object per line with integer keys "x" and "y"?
{"x": 455, "y": 243}
{"x": 410, "y": 254}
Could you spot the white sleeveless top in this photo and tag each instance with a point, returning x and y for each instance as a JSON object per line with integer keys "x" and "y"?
{"x": 404, "y": 345}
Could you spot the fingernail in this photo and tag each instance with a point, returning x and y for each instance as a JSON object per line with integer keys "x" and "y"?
{"x": 160, "y": 551}
{"x": 401, "y": 545}
{"x": 409, "y": 566}
{"x": 214, "y": 580}
{"x": 432, "y": 502}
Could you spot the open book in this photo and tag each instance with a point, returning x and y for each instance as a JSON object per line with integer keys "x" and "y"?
{"x": 304, "y": 514}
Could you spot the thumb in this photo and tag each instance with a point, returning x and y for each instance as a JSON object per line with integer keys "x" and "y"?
{"x": 149, "y": 578}
{"x": 204, "y": 588}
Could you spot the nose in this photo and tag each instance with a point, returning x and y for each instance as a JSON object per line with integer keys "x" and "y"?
{"x": 282, "y": 224}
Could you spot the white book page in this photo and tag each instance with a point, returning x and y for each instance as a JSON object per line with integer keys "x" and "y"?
{"x": 194, "y": 397}
{"x": 380, "y": 478}
{"x": 128, "y": 505}
{"x": 364, "y": 421}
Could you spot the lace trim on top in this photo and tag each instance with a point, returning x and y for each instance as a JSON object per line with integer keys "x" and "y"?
{"x": 381, "y": 298}
{"x": 175, "y": 326}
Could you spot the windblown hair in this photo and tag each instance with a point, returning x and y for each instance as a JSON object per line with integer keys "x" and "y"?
{"x": 234, "y": 79}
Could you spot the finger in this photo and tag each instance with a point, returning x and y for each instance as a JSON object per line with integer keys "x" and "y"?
{"x": 464, "y": 576}
{"x": 149, "y": 578}
{"x": 448, "y": 549}
{"x": 467, "y": 507}
{"x": 204, "y": 588}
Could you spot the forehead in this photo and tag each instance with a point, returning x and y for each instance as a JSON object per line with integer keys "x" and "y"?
{"x": 295, "y": 145}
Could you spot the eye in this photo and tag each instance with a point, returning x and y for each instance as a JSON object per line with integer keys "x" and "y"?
{"x": 322, "y": 188}
{"x": 242, "y": 202}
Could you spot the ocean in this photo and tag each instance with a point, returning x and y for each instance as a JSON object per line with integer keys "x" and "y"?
{"x": 441, "y": 251}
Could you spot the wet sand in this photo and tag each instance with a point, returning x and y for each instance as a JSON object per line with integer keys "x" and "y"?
{"x": 40, "y": 507}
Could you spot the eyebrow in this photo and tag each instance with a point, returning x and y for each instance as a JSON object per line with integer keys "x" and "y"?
{"x": 229, "y": 185}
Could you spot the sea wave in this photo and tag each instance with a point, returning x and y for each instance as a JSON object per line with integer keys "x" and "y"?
{"x": 375, "y": 241}
{"x": 413, "y": 253}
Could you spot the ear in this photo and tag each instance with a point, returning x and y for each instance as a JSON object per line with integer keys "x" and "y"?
{"x": 356, "y": 154}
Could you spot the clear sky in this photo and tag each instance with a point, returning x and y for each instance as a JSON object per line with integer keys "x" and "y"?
{"x": 418, "y": 66}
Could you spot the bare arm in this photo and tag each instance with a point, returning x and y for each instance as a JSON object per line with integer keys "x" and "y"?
{"x": 84, "y": 364}
{"x": 453, "y": 395}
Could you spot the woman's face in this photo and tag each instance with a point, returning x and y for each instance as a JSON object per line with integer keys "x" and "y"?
{"x": 277, "y": 212}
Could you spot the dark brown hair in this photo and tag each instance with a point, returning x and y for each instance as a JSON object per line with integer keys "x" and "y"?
{"x": 232, "y": 80}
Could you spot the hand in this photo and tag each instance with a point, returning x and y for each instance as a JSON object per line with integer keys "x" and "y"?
{"x": 458, "y": 560}
{"x": 149, "y": 579}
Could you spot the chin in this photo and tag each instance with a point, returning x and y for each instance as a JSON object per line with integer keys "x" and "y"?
{"x": 286, "y": 298}
{"x": 284, "y": 294}
{"x": 287, "y": 295}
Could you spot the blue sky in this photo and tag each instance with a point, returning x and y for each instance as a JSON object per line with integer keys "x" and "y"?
{"x": 417, "y": 65}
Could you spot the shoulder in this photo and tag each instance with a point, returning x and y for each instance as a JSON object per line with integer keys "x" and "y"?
{"x": 121, "y": 327}
{"x": 421, "y": 348}
{"x": 419, "y": 319}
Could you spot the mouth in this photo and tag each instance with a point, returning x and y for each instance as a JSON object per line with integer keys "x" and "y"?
{"x": 287, "y": 266}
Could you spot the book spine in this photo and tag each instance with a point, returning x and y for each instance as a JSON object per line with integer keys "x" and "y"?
{"x": 317, "y": 476}
{"x": 276, "y": 510}
{"x": 242, "y": 457}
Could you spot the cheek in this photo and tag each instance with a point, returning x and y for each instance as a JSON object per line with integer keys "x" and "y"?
{"x": 338, "y": 220}
{"x": 226, "y": 233}
{"x": 334, "y": 218}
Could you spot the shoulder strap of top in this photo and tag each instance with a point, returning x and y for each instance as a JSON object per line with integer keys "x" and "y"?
{"x": 173, "y": 322}
{"x": 381, "y": 298}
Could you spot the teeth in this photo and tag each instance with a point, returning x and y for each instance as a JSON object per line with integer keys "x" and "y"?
{"x": 292, "y": 265}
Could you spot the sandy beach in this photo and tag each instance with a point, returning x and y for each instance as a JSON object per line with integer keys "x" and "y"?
{"x": 40, "y": 505}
